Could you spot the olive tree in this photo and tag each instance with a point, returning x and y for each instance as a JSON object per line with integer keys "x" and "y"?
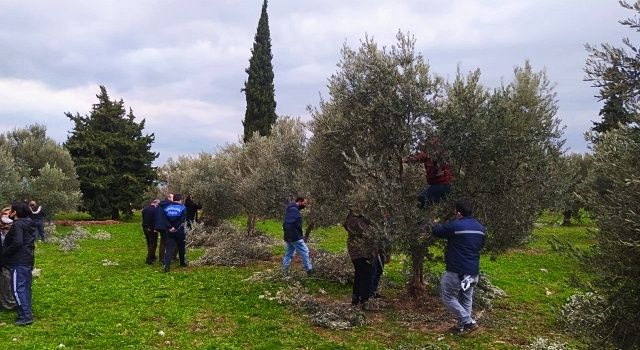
{"x": 614, "y": 199}
{"x": 505, "y": 148}
{"x": 206, "y": 178}
{"x": 36, "y": 167}
{"x": 614, "y": 202}
{"x": 256, "y": 177}
{"x": 265, "y": 169}
{"x": 380, "y": 103}
{"x": 574, "y": 170}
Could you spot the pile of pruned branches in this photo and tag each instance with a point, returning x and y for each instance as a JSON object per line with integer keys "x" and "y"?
{"x": 322, "y": 312}
{"x": 226, "y": 245}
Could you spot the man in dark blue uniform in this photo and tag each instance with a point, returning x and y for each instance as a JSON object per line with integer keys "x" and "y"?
{"x": 172, "y": 223}
{"x": 465, "y": 239}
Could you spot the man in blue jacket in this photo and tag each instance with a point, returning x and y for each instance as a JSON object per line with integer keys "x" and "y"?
{"x": 465, "y": 239}
{"x": 170, "y": 221}
{"x": 292, "y": 227}
{"x": 18, "y": 253}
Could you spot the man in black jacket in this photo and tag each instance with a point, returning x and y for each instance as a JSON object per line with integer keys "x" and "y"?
{"x": 18, "y": 253}
{"x": 37, "y": 215}
{"x": 192, "y": 210}
{"x": 292, "y": 227}
{"x": 150, "y": 233}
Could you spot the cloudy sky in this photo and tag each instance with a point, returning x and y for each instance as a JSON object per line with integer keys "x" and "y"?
{"x": 180, "y": 64}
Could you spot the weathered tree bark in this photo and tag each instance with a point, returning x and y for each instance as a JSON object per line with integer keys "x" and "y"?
{"x": 251, "y": 224}
{"x": 416, "y": 286}
{"x": 307, "y": 232}
{"x": 566, "y": 217}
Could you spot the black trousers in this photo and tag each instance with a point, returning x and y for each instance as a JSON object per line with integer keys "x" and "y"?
{"x": 151, "y": 236}
{"x": 174, "y": 240}
{"x": 362, "y": 281}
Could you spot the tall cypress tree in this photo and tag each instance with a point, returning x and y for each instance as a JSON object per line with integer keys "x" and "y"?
{"x": 259, "y": 89}
{"x": 113, "y": 158}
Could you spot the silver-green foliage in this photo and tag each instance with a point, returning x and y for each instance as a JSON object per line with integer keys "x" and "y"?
{"x": 34, "y": 166}
{"x": 265, "y": 169}
{"x": 574, "y": 169}
{"x": 615, "y": 205}
{"x": 380, "y": 104}
{"x": 541, "y": 343}
{"x": 584, "y": 314}
{"x": 257, "y": 177}
{"x": 505, "y": 147}
{"x": 206, "y": 178}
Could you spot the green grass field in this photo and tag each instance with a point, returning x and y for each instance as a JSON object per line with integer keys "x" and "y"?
{"x": 83, "y": 304}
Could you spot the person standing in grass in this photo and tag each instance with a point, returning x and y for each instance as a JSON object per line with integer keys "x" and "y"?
{"x": 150, "y": 233}
{"x": 465, "y": 239}
{"x": 7, "y": 301}
{"x": 192, "y": 210}
{"x": 361, "y": 252}
{"x": 18, "y": 252}
{"x": 37, "y": 216}
{"x": 292, "y": 227}
{"x": 174, "y": 217}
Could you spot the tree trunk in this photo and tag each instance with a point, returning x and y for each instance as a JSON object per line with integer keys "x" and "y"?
{"x": 307, "y": 232}
{"x": 566, "y": 217}
{"x": 416, "y": 287}
{"x": 115, "y": 214}
{"x": 251, "y": 224}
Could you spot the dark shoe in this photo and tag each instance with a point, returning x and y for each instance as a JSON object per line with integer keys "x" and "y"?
{"x": 184, "y": 264}
{"x": 23, "y": 322}
{"x": 166, "y": 269}
{"x": 469, "y": 328}
{"x": 311, "y": 272}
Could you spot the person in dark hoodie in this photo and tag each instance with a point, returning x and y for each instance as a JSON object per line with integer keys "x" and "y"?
{"x": 192, "y": 210}
{"x": 292, "y": 227}
{"x": 37, "y": 215}
{"x": 361, "y": 249}
{"x": 171, "y": 221}
{"x": 150, "y": 233}
{"x": 18, "y": 253}
{"x": 465, "y": 239}
{"x": 7, "y": 300}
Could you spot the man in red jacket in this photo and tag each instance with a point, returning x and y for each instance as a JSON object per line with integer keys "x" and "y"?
{"x": 438, "y": 172}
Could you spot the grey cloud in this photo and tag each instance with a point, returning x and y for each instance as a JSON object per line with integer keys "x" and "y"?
{"x": 188, "y": 58}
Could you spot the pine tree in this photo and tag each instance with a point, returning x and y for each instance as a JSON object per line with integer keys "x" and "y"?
{"x": 615, "y": 71}
{"x": 112, "y": 156}
{"x": 259, "y": 89}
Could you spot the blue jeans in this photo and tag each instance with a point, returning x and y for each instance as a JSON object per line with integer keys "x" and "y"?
{"x": 458, "y": 301}
{"x": 302, "y": 249}
{"x": 433, "y": 194}
{"x": 21, "y": 280}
